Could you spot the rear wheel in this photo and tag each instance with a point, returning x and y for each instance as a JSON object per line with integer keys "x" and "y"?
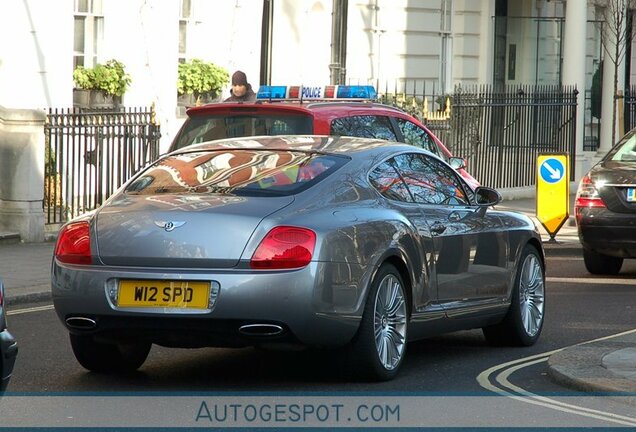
{"x": 524, "y": 320}
{"x": 105, "y": 357}
{"x": 380, "y": 345}
{"x": 597, "y": 263}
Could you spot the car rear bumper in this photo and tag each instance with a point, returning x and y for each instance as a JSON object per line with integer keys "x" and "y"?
{"x": 608, "y": 233}
{"x": 9, "y": 352}
{"x": 309, "y": 309}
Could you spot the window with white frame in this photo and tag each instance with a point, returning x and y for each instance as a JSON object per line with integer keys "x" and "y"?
{"x": 88, "y": 32}
{"x": 446, "y": 48}
{"x": 185, "y": 15}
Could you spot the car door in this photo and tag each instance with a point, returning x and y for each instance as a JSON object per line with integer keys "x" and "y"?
{"x": 470, "y": 245}
{"x": 385, "y": 178}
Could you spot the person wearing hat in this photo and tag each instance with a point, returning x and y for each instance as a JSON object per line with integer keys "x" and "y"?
{"x": 241, "y": 90}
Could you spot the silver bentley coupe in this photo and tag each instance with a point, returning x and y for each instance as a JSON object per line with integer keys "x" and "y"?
{"x": 354, "y": 244}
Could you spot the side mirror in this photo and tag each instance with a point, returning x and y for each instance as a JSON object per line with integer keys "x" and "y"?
{"x": 457, "y": 163}
{"x": 487, "y": 197}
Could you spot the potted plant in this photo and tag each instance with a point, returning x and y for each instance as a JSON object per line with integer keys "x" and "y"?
{"x": 200, "y": 82}
{"x": 102, "y": 86}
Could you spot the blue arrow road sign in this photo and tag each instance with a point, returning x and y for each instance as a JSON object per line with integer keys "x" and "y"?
{"x": 552, "y": 170}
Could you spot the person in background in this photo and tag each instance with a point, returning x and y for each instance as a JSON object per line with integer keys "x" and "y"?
{"x": 241, "y": 90}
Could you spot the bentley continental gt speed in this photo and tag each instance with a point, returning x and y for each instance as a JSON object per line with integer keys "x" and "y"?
{"x": 296, "y": 241}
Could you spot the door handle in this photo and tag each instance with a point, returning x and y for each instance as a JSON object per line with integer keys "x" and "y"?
{"x": 438, "y": 228}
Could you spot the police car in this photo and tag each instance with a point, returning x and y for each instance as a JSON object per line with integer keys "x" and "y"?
{"x": 318, "y": 110}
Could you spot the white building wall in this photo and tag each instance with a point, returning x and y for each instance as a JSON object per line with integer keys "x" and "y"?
{"x": 37, "y": 38}
{"x": 468, "y": 34}
{"x": 301, "y": 42}
{"x": 36, "y": 66}
{"x": 391, "y": 41}
{"x": 228, "y": 33}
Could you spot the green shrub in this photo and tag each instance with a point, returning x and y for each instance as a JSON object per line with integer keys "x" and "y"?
{"x": 110, "y": 78}
{"x": 199, "y": 78}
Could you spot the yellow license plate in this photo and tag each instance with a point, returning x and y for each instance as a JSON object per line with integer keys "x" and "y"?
{"x": 164, "y": 294}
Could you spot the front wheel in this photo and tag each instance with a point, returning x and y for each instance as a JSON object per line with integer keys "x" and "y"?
{"x": 380, "y": 344}
{"x": 105, "y": 357}
{"x": 597, "y": 263}
{"x": 523, "y": 323}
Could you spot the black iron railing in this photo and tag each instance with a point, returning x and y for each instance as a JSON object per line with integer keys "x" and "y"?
{"x": 500, "y": 131}
{"x": 88, "y": 155}
{"x": 630, "y": 109}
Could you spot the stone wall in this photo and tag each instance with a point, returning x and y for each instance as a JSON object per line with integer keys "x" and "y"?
{"x": 22, "y": 173}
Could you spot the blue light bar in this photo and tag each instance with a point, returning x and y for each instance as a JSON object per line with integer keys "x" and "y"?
{"x": 356, "y": 92}
{"x": 330, "y": 92}
{"x": 272, "y": 92}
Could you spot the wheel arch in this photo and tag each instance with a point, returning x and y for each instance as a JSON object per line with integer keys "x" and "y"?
{"x": 539, "y": 247}
{"x": 394, "y": 258}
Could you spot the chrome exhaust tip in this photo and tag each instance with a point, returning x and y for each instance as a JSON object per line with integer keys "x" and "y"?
{"x": 261, "y": 330}
{"x": 81, "y": 323}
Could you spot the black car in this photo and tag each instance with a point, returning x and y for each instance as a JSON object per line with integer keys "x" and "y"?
{"x": 8, "y": 345}
{"x": 605, "y": 209}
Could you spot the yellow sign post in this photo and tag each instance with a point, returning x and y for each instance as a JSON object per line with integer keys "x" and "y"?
{"x": 553, "y": 191}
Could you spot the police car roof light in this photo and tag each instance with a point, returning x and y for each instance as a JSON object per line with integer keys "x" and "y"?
{"x": 330, "y": 92}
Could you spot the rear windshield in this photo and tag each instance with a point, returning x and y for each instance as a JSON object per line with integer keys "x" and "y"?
{"x": 625, "y": 150}
{"x": 213, "y": 127}
{"x": 237, "y": 172}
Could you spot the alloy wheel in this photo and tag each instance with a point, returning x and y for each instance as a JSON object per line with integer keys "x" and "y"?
{"x": 390, "y": 322}
{"x": 531, "y": 295}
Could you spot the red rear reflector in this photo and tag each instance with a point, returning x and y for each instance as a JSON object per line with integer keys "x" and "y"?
{"x": 74, "y": 244}
{"x": 284, "y": 247}
{"x": 589, "y": 202}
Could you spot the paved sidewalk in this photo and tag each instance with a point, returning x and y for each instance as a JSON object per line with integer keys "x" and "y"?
{"x": 602, "y": 366}
{"x": 25, "y": 269}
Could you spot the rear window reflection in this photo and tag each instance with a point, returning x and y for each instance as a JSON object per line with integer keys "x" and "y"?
{"x": 238, "y": 172}
{"x": 208, "y": 128}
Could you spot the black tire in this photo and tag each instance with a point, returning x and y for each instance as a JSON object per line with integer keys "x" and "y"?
{"x": 364, "y": 352}
{"x": 600, "y": 264}
{"x": 523, "y": 322}
{"x": 105, "y": 357}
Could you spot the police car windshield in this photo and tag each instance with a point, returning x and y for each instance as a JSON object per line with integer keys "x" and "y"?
{"x": 213, "y": 127}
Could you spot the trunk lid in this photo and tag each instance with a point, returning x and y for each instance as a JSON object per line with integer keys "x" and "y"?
{"x": 180, "y": 230}
{"x": 618, "y": 180}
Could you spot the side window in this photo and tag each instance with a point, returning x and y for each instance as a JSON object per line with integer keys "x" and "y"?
{"x": 430, "y": 181}
{"x": 364, "y": 126}
{"x": 415, "y": 135}
{"x": 386, "y": 180}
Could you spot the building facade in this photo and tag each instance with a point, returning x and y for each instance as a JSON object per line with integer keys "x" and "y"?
{"x": 442, "y": 43}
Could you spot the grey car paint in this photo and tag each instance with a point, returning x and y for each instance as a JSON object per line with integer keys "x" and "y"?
{"x": 321, "y": 304}
{"x": 8, "y": 346}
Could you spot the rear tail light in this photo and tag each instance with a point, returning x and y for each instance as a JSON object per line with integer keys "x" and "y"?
{"x": 587, "y": 194}
{"x": 284, "y": 247}
{"x": 74, "y": 244}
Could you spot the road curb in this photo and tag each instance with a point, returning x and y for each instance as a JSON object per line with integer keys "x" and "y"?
{"x": 563, "y": 250}
{"x": 31, "y": 297}
{"x": 580, "y": 367}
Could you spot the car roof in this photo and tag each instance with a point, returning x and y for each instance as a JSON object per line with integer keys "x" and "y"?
{"x": 307, "y": 143}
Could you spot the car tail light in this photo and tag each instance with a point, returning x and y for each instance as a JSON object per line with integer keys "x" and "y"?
{"x": 74, "y": 244}
{"x": 587, "y": 194}
{"x": 284, "y": 247}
